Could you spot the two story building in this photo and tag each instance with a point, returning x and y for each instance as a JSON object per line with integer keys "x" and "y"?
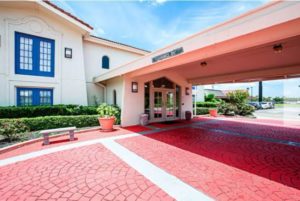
{"x": 49, "y": 56}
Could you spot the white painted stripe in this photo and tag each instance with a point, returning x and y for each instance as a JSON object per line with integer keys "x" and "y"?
{"x": 31, "y": 155}
{"x": 167, "y": 182}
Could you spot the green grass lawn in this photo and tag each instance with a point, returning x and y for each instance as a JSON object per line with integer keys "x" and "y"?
{"x": 287, "y": 105}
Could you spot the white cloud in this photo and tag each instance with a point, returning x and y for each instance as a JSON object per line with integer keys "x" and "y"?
{"x": 160, "y": 1}
{"x": 98, "y": 31}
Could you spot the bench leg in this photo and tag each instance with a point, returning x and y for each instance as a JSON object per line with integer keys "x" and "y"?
{"x": 71, "y": 135}
{"x": 46, "y": 139}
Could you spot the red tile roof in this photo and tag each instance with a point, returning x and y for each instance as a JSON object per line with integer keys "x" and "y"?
{"x": 67, "y": 13}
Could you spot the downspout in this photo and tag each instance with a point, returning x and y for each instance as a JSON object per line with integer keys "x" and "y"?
{"x": 104, "y": 88}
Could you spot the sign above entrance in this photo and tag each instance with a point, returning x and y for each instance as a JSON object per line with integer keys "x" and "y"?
{"x": 167, "y": 54}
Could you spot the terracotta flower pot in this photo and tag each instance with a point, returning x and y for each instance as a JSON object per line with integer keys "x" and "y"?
{"x": 213, "y": 112}
{"x": 106, "y": 123}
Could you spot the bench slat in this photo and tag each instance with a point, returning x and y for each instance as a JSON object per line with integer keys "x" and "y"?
{"x": 58, "y": 130}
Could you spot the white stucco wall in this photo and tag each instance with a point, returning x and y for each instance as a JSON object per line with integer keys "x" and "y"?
{"x": 133, "y": 103}
{"x": 93, "y": 53}
{"x": 69, "y": 85}
{"x": 118, "y": 85}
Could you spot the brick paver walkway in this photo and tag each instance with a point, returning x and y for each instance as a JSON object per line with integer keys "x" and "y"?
{"x": 88, "y": 173}
{"x": 226, "y": 167}
{"x": 225, "y": 160}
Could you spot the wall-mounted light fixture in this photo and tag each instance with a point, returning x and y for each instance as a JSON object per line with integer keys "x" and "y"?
{"x": 134, "y": 87}
{"x": 203, "y": 63}
{"x": 68, "y": 53}
{"x": 187, "y": 91}
{"x": 277, "y": 48}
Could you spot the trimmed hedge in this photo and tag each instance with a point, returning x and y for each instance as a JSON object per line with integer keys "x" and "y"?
{"x": 37, "y": 111}
{"x": 202, "y": 110}
{"x": 12, "y": 128}
{"x": 207, "y": 104}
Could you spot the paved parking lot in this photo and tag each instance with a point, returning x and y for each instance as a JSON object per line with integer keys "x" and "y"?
{"x": 284, "y": 113}
{"x": 206, "y": 159}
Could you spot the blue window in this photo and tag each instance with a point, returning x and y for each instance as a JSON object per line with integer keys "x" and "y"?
{"x": 105, "y": 62}
{"x": 34, "y": 96}
{"x": 34, "y": 55}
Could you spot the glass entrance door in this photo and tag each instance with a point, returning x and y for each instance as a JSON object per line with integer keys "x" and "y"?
{"x": 163, "y": 107}
{"x": 162, "y": 100}
{"x": 170, "y": 105}
{"x": 158, "y": 105}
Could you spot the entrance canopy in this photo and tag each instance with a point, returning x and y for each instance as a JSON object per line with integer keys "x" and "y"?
{"x": 259, "y": 45}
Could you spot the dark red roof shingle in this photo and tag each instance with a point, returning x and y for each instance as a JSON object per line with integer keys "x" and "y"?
{"x": 67, "y": 13}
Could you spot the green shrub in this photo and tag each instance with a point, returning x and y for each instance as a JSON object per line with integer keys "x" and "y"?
{"x": 55, "y": 110}
{"x": 106, "y": 110}
{"x": 209, "y": 98}
{"x": 236, "y": 104}
{"x": 227, "y": 108}
{"x": 13, "y": 128}
{"x": 238, "y": 96}
{"x": 207, "y": 104}
{"x": 202, "y": 110}
{"x": 235, "y": 108}
{"x": 245, "y": 109}
{"x": 279, "y": 100}
{"x": 41, "y": 123}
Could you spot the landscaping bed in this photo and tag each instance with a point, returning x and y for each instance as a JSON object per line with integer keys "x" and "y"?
{"x": 19, "y": 124}
{"x": 22, "y": 129}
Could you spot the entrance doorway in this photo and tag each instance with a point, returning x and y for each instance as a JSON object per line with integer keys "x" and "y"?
{"x": 162, "y": 100}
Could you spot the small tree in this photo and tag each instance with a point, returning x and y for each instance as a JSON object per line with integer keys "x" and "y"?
{"x": 209, "y": 97}
{"x": 236, "y": 104}
{"x": 238, "y": 96}
{"x": 278, "y": 100}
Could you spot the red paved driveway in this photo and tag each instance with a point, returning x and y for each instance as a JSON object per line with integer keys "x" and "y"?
{"x": 227, "y": 167}
{"x": 88, "y": 173}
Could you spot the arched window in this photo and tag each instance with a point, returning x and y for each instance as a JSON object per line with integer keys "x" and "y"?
{"x": 114, "y": 97}
{"x": 105, "y": 62}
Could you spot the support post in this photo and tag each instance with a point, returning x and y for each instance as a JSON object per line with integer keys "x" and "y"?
{"x": 260, "y": 91}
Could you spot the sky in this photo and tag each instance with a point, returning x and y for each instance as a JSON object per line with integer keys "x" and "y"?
{"x": 276, "y": 88}
{"x": 154, "y": 24}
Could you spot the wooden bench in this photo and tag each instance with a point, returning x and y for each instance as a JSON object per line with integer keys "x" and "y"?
{"x": 47, "y": 132}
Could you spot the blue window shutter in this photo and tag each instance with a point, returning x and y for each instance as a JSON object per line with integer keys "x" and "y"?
{"x": 105, "y": 62}
{"x": 35, "y": 56}
{"x": 17, "y": 53}
{"x": 18, "y": 97}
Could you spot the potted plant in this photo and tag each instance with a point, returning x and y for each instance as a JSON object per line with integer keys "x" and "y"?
{"x": 107, "y": 116}
{"x": 213, "y": 112}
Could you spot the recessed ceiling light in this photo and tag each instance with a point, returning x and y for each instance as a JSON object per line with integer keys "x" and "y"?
{"x": 203, "y": 63}
{"x": 277, "y": 48}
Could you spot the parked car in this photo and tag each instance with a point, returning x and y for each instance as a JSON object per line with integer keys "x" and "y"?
{"x": 255, "y": 104}
{"x": 271, "y": 104}
{"x": 265, "y": 105}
